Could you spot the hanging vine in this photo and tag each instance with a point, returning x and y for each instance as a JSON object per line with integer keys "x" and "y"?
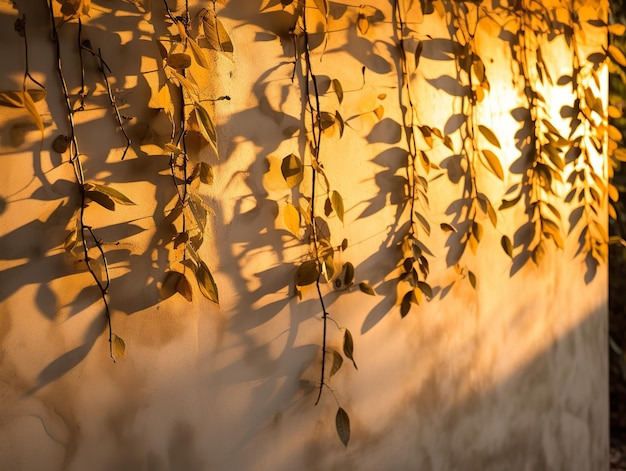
{"x": 320, "y": 267}
{"x": 412, "y": 284}
{"x": 84, "y": 237}
{"x": 545, "y": 143}
{"x": 182, "y": 99}
{"x": 477, "y": 140}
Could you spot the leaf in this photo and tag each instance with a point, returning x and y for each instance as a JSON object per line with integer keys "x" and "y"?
{"x": 206, "y": 173}
{"x": 379, "y": 112}
{"x": 445, "y": 227}
{"x": 115, "y": 195}
{"x": 507, "y": 245}
{"x": 15, "y": 99}
{"x": 367, "y": 289}
{"x": 620, "y": 154}
{"x": 215, "y": 34}
{"x": 169, "y": 287}
{"x": 348, "y": 274}
{"x": 489, "y": 135}
{"x": 405, "y": 305}
{"x": 538, "y": 253}
{"x": 100, "y": 198}
{"x": 307, "y": 273}
{"x": 322, "y": 5}
{"x": 70, "y": 241}
{"x": 198, "y": 54}
{"x": 338, "y": 89}
{"x": 207, "y": 129}
{"x": 362, "y": 23}
{"x": 61, "y": 143}
{"x": 342, "y": 422}
{"x": 425, "y": 288}
{"x": 614, "y": 133}
{"x": 472, "y": 278}
{"x": 337, "y": 202}
{"x": 292, "y": 170}
{"x": 337, "y": 362}
{"x": 616, "y": 55}
{"x": 418, "y": 52}
{"x": 183, "y": 287}
{"x": 179, "y": 60}
{"x": 119, "y": 346}
{"x": 493, "y": 163}
{"x": 187, "y": 84}
{"x": 30, "y": 106}
{"x": 207, "y": 285}
{"x": 291, "y": 217}
{"x": 348, "y": 347}
{"x": 617, "y": 29}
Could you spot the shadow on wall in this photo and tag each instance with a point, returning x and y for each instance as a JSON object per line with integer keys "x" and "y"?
{"x": 252, "y": 234}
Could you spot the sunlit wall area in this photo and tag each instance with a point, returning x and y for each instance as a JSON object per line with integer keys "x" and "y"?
{"x": 277, "y": 235}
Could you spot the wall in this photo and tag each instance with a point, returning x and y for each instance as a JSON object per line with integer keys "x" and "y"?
{"x": 511, "y": 374}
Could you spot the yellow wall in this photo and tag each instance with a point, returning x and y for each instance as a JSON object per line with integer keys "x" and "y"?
{"x": 511, "y": 375}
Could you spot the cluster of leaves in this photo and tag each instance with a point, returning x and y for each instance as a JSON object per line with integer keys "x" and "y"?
{"x": 544, "y": 146}
{"x": 590, "y": 128}
{"x": 477, "y": 140}
{"x": 181, "y": 98}
{"x": 412, "y": 283}
{"x": 82, "y": 238}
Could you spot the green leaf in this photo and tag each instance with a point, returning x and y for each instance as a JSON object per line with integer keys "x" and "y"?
{"x": 119, "y": 346}
{"x": 342, "y": 422}
{"x": 507, "y": 245}
{"x": 307, "y": 273}
{"x": 493, "y": 163}
{"x": 337, "y": 202}
{"x": 207, "y": 285}
{"x": 337, "y": 362}
{"x": 367, "y": 289}
{"x": 348, "y": 347}
{"x": 489, "y": 135}
{"x": 207, "y": 128}
{"x": 292, "y": 170}
{"x": 291, "y": 217}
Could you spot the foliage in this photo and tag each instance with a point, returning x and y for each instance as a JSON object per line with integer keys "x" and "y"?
{"x": 559, "y": 174}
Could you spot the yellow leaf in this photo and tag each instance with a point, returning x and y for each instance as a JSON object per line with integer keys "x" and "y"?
{"x": 205, "y": 122}
{"x": 493, "y": 163}
{"x": 489, "y": 135}
{"x": 291, "y": 217}
{"x": 198, "y": 54}
{"x": 337, "y": 203}
{"x": 119, "y": 346}
{"x": 616, "y": 55}
{"x": 206, "y": 283}
{"x": 322, "y": 5}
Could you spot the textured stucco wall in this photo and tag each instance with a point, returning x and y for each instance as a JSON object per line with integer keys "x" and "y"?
{"x": 510, "y": 376}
